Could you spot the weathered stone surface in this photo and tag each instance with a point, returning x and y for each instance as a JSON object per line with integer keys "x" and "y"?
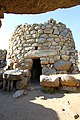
{"x": 50, "y": 39}
{"x": 56, "y": 32}
{"x": 68, "y": 80}
{"x": 41, "y": 40}
{"x": 27, "y": 7}
{"x": 15, "y": 74}
{"x": 54, "y": 43}
{"x": 56, "y": 58}
{"x": 62, "y": 65}
{"x": 48, "y": 30}
{"x": 44, "y": 70}
{"x": 65, "y": 57}
{"x": 44, "y": 35}
{"x": 51, "y": 60}
{"x": 47, "y": 71}
{"x": 40, "y": 53}
{"x": 49, "y": 81}
{"x": 50, "y": 71}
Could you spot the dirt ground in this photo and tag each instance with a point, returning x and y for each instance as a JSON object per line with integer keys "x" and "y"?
{"x": 36, "y": 105}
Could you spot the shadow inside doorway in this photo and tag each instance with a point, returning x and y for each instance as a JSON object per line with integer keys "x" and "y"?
{"x": 36, "y": 71}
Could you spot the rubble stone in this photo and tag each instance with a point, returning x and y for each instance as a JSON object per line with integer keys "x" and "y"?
{"x": 62, "y": 65}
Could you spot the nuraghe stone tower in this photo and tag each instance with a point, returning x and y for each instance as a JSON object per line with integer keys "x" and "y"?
{"x": 46, "y": 49}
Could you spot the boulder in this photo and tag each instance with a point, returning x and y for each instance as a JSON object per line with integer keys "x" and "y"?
{"x": 68, "y": 80}
{"x": 62, "y": 65}
{"x": 49, "y": 81}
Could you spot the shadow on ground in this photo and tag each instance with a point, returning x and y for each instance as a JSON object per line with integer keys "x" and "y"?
{"x": 22, "y": 109}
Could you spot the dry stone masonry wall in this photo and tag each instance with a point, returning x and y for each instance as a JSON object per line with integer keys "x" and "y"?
{"x": 51, "y": 42}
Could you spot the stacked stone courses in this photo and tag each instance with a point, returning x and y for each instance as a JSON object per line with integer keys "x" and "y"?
{"x": 51, "y": 42}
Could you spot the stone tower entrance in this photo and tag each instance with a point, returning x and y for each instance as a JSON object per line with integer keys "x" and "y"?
{"x": 36, "y": 71}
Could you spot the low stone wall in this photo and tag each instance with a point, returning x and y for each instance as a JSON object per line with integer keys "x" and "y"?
{"x": 60, "y": 82}
{"x": 51, "y": 42}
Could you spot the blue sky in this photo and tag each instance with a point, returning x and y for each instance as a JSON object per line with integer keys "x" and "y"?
{"x": 70, "y": 17}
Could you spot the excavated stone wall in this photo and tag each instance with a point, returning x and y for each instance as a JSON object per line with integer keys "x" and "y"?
{"x": 50, "y": 42}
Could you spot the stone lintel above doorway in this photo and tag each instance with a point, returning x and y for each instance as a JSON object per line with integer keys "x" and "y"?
{"x": 40, "y": 53}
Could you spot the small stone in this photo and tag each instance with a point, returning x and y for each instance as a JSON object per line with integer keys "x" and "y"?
{"x": 65, "y": 57}
{"x": 56, "y": 32}
{"x": 54, "y": 43}
{"x": 50, "y": 39}
{"x": 56, "y": 58}
{"x": 63, "y": 109}
{"x": 76, "y": 116}
{"x": 47, "y": 30}
{"x": 18, "y": 93}
{"x": 44, "y": 36}
{"x": 41, "y": 40}
{"x": 57, "y": 40}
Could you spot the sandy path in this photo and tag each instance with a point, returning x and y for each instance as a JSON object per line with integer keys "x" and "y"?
{"x": 32, "y": 106}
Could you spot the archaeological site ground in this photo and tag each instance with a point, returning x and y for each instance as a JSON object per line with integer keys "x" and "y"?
{"x": 40, "y": 71}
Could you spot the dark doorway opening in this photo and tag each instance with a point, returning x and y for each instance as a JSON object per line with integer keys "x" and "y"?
{"x": 36, "y": 71}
